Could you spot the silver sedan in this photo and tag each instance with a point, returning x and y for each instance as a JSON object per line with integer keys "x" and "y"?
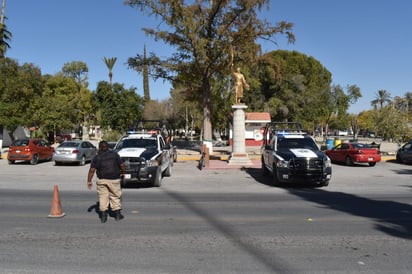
{"x": 74, "y": 151}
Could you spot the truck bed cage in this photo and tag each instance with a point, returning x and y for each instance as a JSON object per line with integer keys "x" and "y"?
{"x": 284, "y": 128}
{"x": 152, "y": 127}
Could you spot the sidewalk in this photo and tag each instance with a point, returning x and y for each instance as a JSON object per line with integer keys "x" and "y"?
{"x": 223, "y": 164}
{"x": 388, "y": 151}
{"x": 219, "y": 153}
{"x": 220, "y": 157}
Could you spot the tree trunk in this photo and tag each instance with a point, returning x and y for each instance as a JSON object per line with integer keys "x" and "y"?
{"x": 207, "y": 124}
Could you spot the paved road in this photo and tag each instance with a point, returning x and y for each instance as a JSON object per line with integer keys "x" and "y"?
{"x": 209, "y": 221}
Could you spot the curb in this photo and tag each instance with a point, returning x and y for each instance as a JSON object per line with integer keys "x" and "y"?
{"x": 388, "y": 158}
{"x": 182, "y": 158}
{"x": 192, "y": 157}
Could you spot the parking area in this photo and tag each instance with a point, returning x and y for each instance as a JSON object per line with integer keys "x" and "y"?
{"x": 388, "y": 150}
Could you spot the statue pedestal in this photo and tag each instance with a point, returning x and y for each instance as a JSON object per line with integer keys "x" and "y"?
{"x": 239, "y": 155}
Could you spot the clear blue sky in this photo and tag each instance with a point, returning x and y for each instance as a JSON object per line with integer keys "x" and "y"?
{"x": 366, "y": 43}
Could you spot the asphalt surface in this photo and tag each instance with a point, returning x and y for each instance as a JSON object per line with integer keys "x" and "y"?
{"x": 209, "y": 221}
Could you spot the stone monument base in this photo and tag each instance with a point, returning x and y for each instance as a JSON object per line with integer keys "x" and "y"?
{"x": 239, "y": 155}
{"x": 239, "y": 159}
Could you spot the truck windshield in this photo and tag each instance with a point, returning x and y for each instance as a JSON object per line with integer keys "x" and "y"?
{"x": 288, "y": 143}
{"x": 139, "y": 143}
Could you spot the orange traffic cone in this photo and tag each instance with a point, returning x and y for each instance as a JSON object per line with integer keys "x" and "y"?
{"x": 56, "y": 208}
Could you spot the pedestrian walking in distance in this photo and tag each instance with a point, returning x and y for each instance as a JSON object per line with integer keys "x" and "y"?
{"x": 110, "y": 169}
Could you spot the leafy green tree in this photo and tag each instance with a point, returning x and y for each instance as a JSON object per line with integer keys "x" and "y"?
{"x": 366, "y": 120}
{"x": 105, "y": 100}
{"x": 391, "y": 123}
{"x": 155, "y": 110}
{"x": 294, "y": 86}
{"x": 57, "y": 107}
{"x": 354, "y": 123}
{"x": 20, "y": 85}
{"x": 390, "y": 118}
{"x": 110, "y": 62}
{"x": 85, "y": 107}
{"x": 119, "y": 107}
{"x": 408, "y": 101}
{"x": 203, "y": 34}
{"x": 77, "y": 70}
{"x": 342, "y": 100}
{"x": 129, "y": 107}
{"x": 401, "y": 103}
{"x": 339, "y": 102}
{"x": 186, "y": 113}
{"x": 408, "y": 105}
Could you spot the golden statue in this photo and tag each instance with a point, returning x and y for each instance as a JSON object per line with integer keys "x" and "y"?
{"x": 240, "y": 83}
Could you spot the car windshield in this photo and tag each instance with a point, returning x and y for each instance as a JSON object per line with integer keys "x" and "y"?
{"x": 359, "y": 145}
{"x": 288, "y": 143}
{"x": 69, "y": 144}
{"x": 143, "y": 143}
{"x": 22, "y": 142}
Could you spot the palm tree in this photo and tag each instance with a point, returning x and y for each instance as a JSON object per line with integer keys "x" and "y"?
{"x": 3, "y": 8}
{"x": 381, "y": 98}
{"x": 5, "y": 35}
{"x": 146, "y": 89}
{"x": 110, "y": 64}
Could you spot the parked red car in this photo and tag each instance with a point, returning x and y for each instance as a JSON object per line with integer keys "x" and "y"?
{"x": 31, "y": 150}
{"x": 353, "y": 152}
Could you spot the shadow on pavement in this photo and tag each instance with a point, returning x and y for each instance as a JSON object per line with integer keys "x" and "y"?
{"x": 393, "y": 218}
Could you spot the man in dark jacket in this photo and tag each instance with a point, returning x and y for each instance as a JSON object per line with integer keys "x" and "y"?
{"x": 110, "y": 169}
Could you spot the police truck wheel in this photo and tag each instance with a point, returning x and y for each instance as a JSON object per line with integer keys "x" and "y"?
{"x": 276, "y": 181}
{"x": 325, "y": 183}
{"x": 158, "y": 179}
{"x": 168, "y": 171}
{"x": 265, "y": 171}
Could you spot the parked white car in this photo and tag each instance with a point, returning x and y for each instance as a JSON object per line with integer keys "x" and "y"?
{"x": 342, "y": 133}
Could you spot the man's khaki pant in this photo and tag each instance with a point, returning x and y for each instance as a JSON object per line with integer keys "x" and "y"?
{"x": 109, "y": 191}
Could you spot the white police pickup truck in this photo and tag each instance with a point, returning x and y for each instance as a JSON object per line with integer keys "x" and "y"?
{"x": 146, "y": 155}
{"x": 291, "y": 155}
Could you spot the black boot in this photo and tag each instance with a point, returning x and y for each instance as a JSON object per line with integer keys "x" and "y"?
{"x": 103, "y": 216}
{"x": 119, "y": 215}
